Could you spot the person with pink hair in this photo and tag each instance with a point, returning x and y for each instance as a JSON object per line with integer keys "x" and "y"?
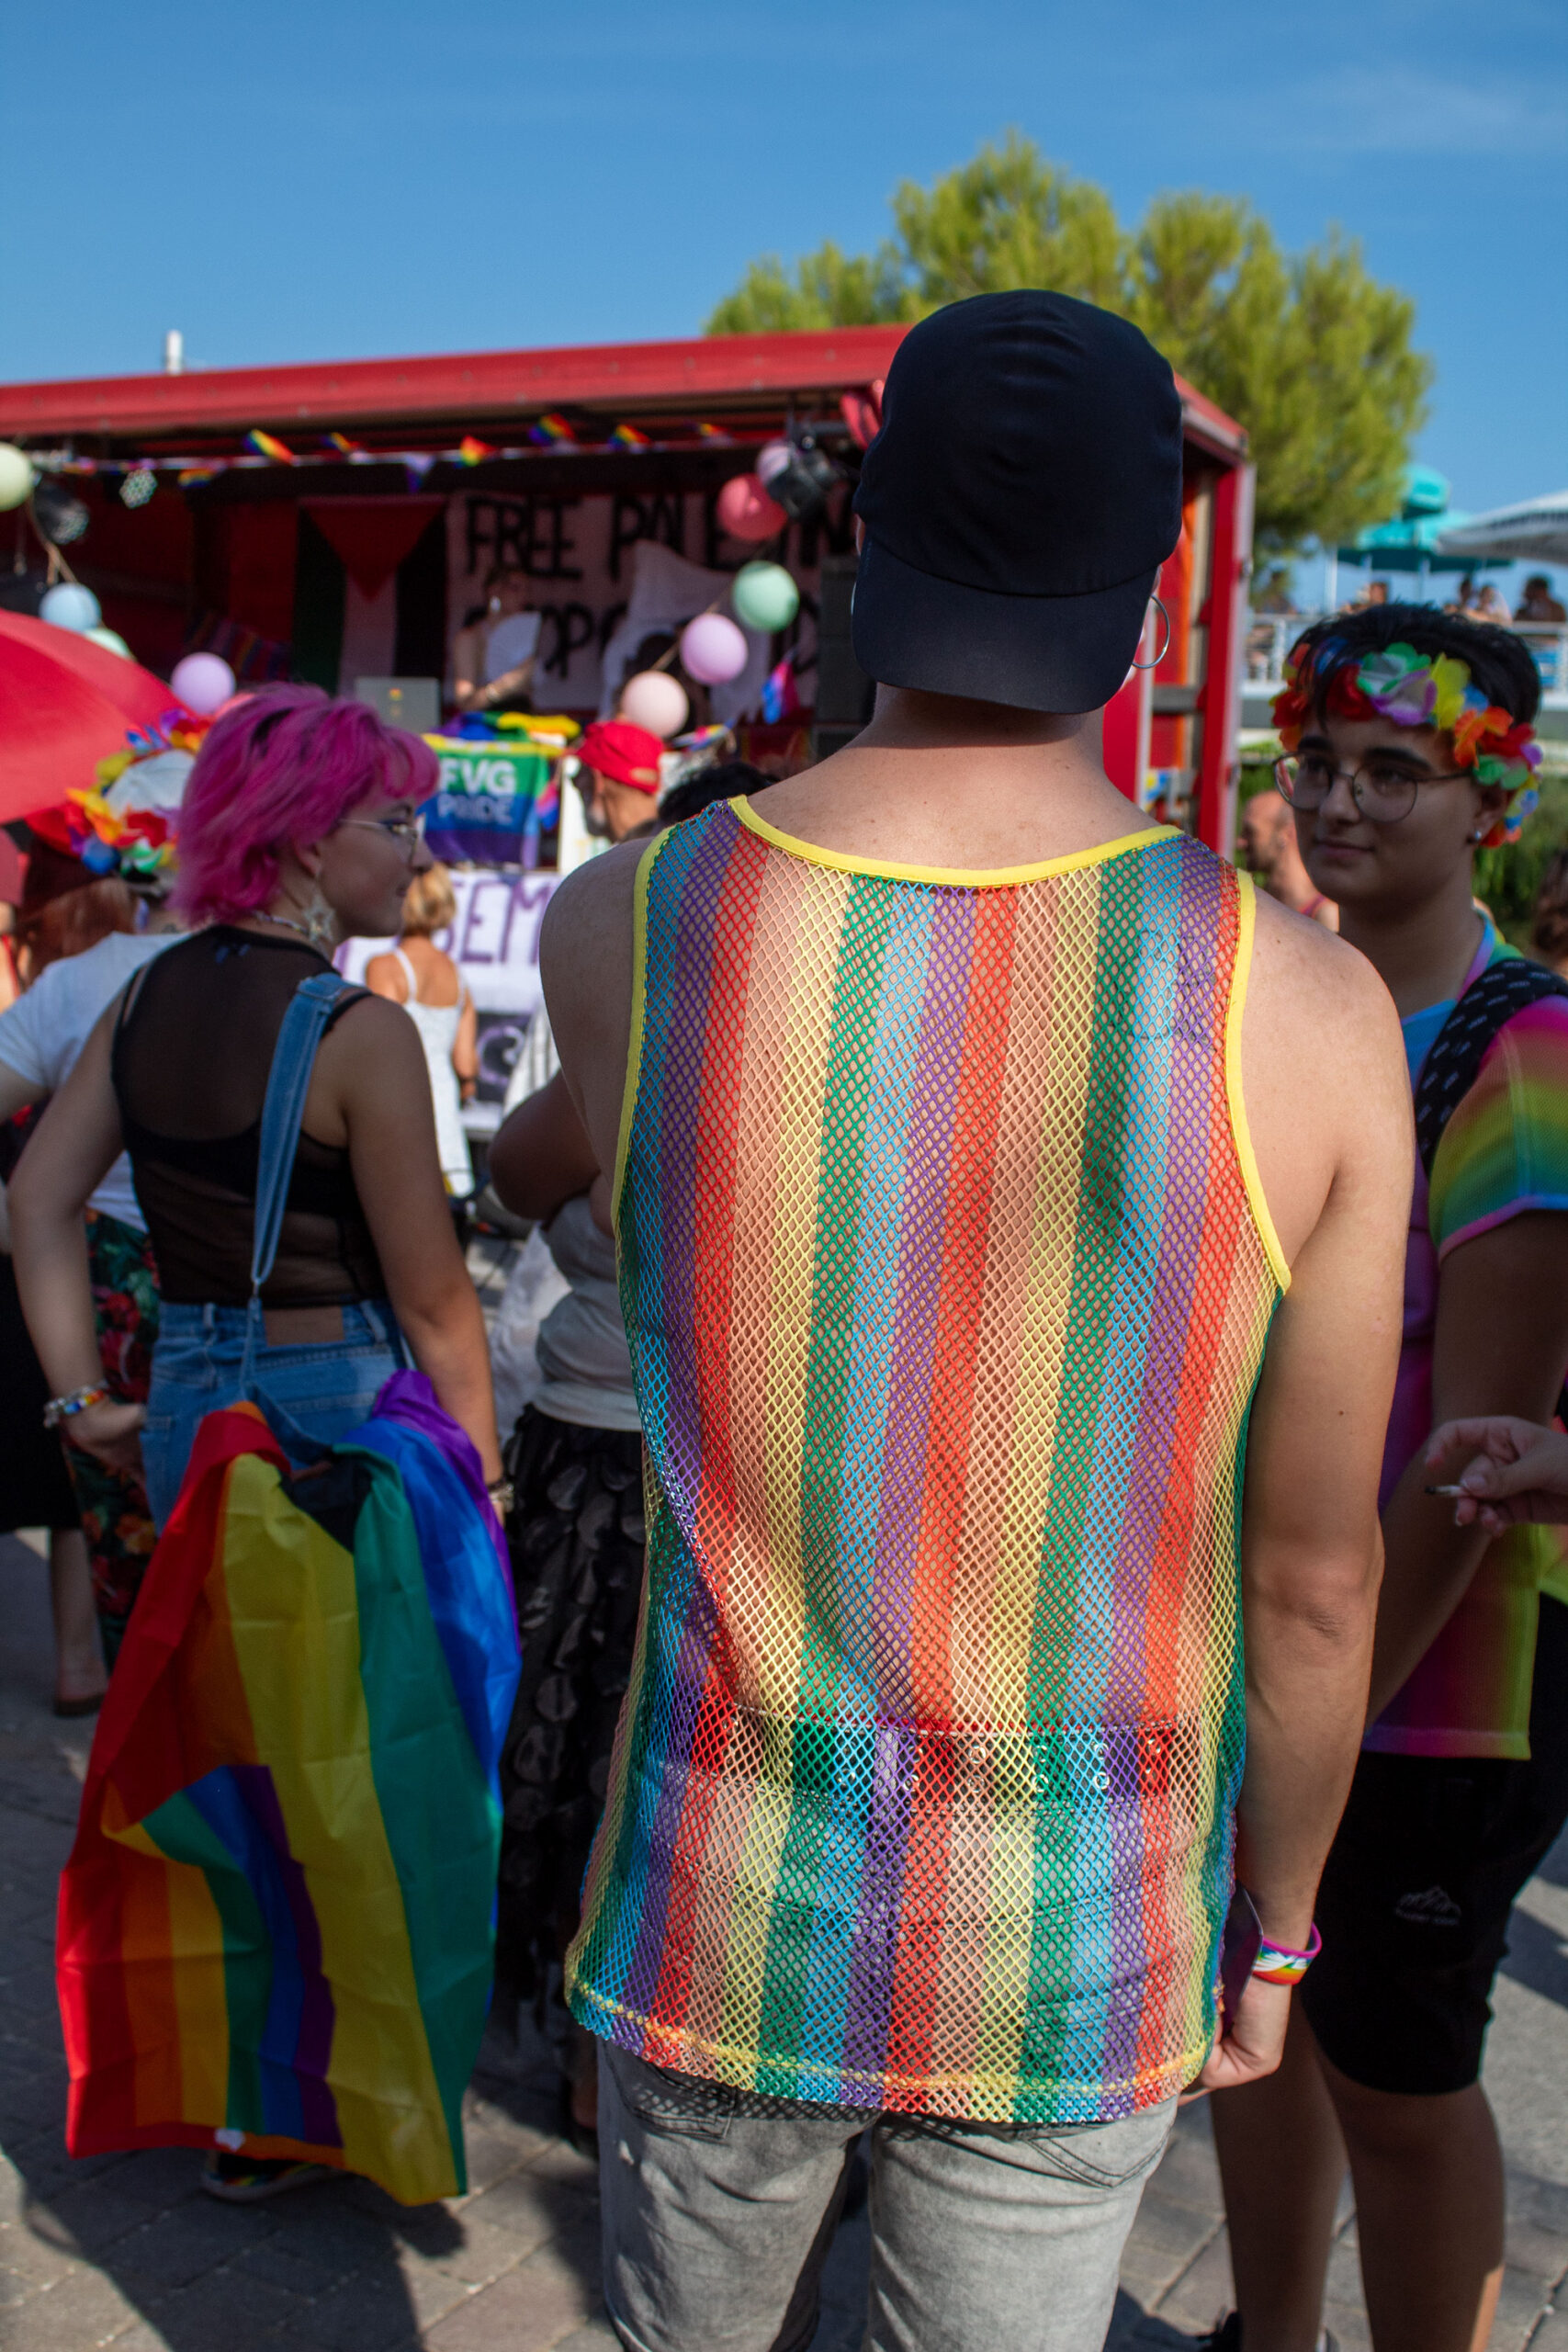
{"x": 298, "y": 829}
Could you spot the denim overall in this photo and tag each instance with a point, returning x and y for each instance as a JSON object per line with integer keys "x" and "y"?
{"x": 210, "y": 1356}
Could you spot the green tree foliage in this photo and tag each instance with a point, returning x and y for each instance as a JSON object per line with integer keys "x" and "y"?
{"x": 1309, "y": 352}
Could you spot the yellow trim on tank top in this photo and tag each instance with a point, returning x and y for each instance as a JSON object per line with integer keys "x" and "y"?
{"x": 1241, "y": 1132}
{"x": 640, "y": 1012}
{"x": 985, "y": 877}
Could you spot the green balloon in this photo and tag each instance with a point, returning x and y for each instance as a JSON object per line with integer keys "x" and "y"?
{"x": 765, "y": 597}
{"x": 110, "y": 639}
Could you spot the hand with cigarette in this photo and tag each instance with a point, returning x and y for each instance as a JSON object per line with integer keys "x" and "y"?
{"x": 1517, "y": 1471}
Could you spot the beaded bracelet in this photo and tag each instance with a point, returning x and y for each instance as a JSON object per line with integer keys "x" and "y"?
{"x": 66, "y": 1407}
{"x": 1277, "y": 1965}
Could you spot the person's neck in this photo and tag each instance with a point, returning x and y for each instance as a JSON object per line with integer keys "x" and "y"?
{"x": 966, "y": 786}
{"x": 1421, "y": 953}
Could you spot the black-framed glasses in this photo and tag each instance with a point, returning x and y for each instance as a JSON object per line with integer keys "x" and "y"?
{"x": 1382, "y": 788}
{"x": 407, "y": 831}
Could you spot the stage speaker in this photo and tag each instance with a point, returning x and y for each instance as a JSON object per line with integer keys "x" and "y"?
{"x": 413, "y": 703}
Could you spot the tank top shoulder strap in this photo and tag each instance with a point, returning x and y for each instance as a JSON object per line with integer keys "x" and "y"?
{"x": 409, "y": 975}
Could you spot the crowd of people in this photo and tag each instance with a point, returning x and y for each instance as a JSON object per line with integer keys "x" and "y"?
{"x": 1033, "y": 1539}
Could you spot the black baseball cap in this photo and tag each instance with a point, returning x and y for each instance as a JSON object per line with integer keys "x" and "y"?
{"x": 1018, "y": 500}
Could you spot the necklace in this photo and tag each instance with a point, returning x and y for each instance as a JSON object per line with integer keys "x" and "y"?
{"x": 316, "y": 930}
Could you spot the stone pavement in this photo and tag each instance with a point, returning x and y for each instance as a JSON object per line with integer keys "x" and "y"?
{"x": 126, "y": 2250}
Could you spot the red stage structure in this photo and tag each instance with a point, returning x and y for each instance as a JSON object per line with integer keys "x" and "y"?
{"x": 366, "y": 540}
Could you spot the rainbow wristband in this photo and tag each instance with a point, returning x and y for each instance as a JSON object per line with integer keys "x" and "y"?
{"x": 1277, "y": 1966}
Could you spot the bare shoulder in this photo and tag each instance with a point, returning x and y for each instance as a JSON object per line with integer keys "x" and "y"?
{"x": 385, "y": 975}
{"x": 369, "y": 1031}
{"x": 1324, "y": 1075}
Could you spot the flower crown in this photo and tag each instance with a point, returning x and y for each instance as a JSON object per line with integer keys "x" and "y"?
{"x": 1417, "y": 690}
{"x": 128, "y": 836}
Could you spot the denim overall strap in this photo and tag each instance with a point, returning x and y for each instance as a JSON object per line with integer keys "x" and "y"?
{"x": 293, "y": 1058}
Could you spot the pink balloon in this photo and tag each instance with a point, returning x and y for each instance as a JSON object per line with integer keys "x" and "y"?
{"x": 713, "y": 649}
{"x": 657, "y": 701}
{"x": 747, "y": 511}
{"x": 203, "y": 682}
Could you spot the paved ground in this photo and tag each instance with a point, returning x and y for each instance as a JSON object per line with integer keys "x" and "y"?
{"x": 125, "y": 2250}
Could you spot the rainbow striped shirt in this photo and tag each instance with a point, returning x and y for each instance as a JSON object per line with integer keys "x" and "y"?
{"x": 947, "y": 1279}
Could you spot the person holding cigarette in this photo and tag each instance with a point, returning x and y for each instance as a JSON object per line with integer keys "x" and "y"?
{"x": 1408, "y": 746}
{"x": 1517, "y": 1474}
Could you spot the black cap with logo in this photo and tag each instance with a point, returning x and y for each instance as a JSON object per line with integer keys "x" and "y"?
{"x": 1018, "y": 500}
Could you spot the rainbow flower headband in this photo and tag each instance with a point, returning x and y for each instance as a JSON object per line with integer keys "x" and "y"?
{"x": 137, "y": 843}
{"x": 1418, "y": 690}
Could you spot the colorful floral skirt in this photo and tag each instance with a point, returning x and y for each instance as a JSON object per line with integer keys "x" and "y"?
{"x": 113, "y": 1504}
{"x": 576, "y": 1539}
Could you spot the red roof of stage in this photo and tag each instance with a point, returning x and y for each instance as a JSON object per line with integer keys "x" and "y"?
{"x": 736, "y": 372}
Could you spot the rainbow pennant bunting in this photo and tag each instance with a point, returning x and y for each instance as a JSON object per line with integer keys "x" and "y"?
{"x": 266, "y": 444}
{"x": 342, "y": 445}
{"x": 275, "y": 1924}
{"x": 551, "y": 426}
{"x": 471, "y": 452}
{"x": 626, "y": 436}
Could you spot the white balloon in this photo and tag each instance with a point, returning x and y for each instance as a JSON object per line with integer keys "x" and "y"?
{"x": 657, "y": 701}
{"x": 15, "y": 477}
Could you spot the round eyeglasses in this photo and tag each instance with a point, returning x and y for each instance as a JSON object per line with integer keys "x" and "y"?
{"x": 407, "y": 831}
{"x": 1383, "y": 789}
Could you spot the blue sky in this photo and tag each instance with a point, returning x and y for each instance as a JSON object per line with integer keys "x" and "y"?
{"x": 340, "y": 180}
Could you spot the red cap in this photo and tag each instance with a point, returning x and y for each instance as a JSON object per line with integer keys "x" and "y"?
{"x": 626, "y": 754}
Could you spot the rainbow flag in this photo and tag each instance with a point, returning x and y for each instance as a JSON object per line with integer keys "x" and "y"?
{"x": 266, "y": 444}
{"x": 626, "y": 436}
{"x": 714, "y": 433}
{"x": 275, "y": 1924}
{"x": 551, "y": 426}
{"x": 471, "y": 452}
{"x": 341, "y": 443}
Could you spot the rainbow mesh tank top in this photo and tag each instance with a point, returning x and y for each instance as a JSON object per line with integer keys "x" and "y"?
{"x": 947, "y": 1277}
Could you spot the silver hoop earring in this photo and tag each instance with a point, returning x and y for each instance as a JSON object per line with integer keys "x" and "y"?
{"x": 1165, "y": 648}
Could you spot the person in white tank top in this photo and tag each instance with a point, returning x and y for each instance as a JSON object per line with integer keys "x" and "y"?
{"x": 428, "y": 986}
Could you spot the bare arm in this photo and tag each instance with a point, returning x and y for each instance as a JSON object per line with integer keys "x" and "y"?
{"x": 585, "y": 962}
{"x": 466, "y": 1047}
{"x": 76, "y": 1143}
{"x": 1500, "y": 1347}
{"x": 372, "y": 1079}
{"x": 542, "y": 1156}
{"x": 468, "y": 692}
{"x": 1311, "y": 1548}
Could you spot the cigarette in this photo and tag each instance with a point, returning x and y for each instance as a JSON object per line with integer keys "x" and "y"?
{"x": 1453, "y": 1494}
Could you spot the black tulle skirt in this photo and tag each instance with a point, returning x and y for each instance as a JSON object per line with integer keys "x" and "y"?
{"x": 576, "y": 1539}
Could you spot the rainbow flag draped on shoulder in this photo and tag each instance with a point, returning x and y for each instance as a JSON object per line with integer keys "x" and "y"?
{"x": 275, "y": 1925}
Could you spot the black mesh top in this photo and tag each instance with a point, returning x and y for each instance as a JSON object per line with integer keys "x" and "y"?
{"x": 191, "y": 1061}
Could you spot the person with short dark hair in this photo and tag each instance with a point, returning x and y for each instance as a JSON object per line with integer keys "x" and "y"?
{"x": 1408, "y": 747}
{"x": 1008, "y": 1211}
{"x": 1539, "y": 605}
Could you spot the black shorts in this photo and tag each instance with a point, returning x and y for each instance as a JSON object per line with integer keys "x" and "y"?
{"x": 1415, "y": 1897}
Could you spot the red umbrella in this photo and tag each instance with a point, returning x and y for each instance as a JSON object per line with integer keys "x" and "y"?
{"x": 65, "y": 706}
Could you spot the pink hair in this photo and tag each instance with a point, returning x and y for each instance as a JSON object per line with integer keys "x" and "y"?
{"x": 286, "y": 766}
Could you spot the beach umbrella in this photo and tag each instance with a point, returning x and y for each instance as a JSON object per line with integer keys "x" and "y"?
{"x": 66, "y": 704}
{"x": 1536, "y": 530}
